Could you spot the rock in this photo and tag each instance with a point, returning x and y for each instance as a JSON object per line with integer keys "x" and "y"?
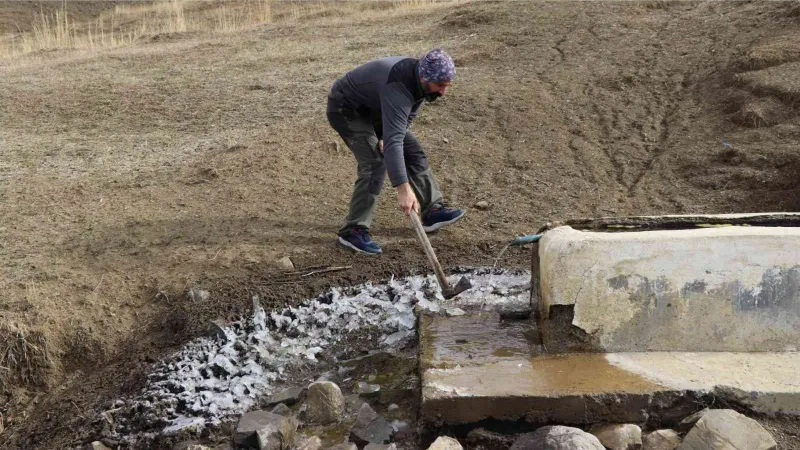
{"x": 345, "y": 446}
{"x": 312, "y": 443}
{"x": 445, "y": 443}
{"x": 618, "y": 436}
{"x": 366, "y": 415}
{"x": 97, "y": 445}
{"x": 265, "y": 431}
{"x": 281, "y": 410}
{"x": 393, "y": 406}
{"x": 398, "y": 339}
{"x": 485, "y": 439}
{"x": 284, "y": 263}
{"x": 216, "y": 330}
{"x": 661, "y": 440}
{"x": 325, "y": 403}
{"x": 483, "y": 205}
{"x": 727, "y": 429}
{"x": 367, "y": 390}
{"x": 687, "y": 423}
{"x": 370, "y": 428}
{"x": 454, "y": 312}
{"x": 380, "y": 447}
{"x": 557, "y": 438}
{"x": 287, "y": 396}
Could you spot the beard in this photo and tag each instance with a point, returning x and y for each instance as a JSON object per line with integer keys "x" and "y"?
{"x": 432, "y": 96}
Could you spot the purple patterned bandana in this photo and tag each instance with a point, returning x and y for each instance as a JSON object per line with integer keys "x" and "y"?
{"x": 437, "y": 66}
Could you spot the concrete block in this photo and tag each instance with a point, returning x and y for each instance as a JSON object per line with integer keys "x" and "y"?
{"x": 718, "y": 289}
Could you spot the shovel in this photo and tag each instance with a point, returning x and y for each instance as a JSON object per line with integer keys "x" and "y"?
{"x": 448, "y": 291}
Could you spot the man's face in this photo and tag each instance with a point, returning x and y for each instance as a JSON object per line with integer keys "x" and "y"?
{"x": 434, "y": 90}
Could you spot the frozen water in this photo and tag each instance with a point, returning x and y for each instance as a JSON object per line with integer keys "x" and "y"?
{"x": 211, "y": 380}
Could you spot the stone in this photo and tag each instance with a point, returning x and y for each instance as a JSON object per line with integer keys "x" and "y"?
{"x": 374, "y": 446}
{"x": 483, "y": 205}
{"x": 345, "y": 446}
{"x": 367, "y": 390}
{"x": 265, "y": 431}
{"x": 366, "y": 415}
{"x": 724, "y": 429}
{"x": 97, "y": 445}
{"x": 284, "y": 263}
{"x": 281, "y": 410}
{"x": 686, "y": 424}
{"x": 557, "y": 438}
{"x": 618, "y": 436}
{"x": 216, "y": 330}
{"x": 454, "y": 312}
{"x": 288, "y": 396}
{"x": 661, "y": 440}
{"x": 312, "y": 443}
{"x": 485, "y": 439}
{"x": 325, "y": 403}
{"x": 370, "y": 428}
{"x": 445, "y": 443}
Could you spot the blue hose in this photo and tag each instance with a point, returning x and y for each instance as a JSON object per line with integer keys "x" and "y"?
{"x": 529, "y": 239}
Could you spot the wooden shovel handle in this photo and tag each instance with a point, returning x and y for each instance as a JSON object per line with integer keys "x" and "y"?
{"x": 426, "y": 245}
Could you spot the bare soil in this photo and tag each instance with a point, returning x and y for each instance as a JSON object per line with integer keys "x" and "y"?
{"x": 130, "y": 175}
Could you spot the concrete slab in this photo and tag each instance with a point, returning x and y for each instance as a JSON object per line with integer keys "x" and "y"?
{"x": 475, "y": 368}
{"x": 718, "y": 289}
{"x": 681, "y": 221}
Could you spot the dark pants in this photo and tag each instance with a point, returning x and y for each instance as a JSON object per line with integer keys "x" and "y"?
{"x": 361, "y": 137}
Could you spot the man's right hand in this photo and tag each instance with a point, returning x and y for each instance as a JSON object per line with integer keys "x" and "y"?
{"x": 407, "y": 199}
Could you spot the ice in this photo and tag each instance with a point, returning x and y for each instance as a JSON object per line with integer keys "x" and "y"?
{"x": 211, "y": 380}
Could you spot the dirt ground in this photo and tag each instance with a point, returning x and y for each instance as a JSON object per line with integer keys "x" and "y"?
{"x": 130, "y": 175}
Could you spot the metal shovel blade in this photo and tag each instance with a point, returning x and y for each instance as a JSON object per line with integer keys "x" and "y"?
{"x": 462, "y": 285}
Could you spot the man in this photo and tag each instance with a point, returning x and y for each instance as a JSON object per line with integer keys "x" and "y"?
{"x": 371, "y": 108}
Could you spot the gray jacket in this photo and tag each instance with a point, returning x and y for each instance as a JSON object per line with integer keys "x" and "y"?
{"x": 387, "y": 92}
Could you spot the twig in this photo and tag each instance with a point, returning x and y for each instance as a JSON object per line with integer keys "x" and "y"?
{"x": 543, "y": 182}
{"x": 217, "y": 254}
{"x": 329, "y": 269}
{"x": 98, "y": 284}
{"x": 79, "y": 410}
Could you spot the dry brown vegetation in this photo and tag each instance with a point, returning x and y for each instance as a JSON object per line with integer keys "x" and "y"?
{"x": 132, "y": 172}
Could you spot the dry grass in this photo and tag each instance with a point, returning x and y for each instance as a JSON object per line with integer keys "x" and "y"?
{"x": 772, "y": 53}
{"x": 761, "y": 112}
{"x": 24, "y": 358}
{"x": 129, "y": 22}
{"x": 779, "y": 81}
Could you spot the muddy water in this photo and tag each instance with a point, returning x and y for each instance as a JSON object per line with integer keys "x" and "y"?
{"x": 478, "y": 354}
{"x": 450, "y": 341}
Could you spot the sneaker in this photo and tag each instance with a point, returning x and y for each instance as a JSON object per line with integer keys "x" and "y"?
{"x": 359, "y": 240}
{"x": 438, "y": 217}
